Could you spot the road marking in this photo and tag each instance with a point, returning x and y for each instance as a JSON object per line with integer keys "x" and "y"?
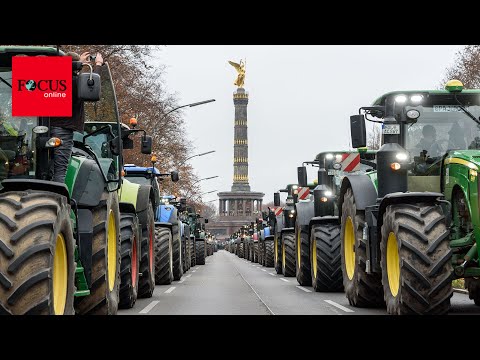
{"x": 271, "y": 274}
{"x": 264, "y": 270}
{"x": 251, "y": 287}
{"x": 181, "y": 281}
{"x": 284, "y": 279}
{"x": 188, "y": 275}
{"x": 338, "y": 306}
{"x": 194, "y": 271}
{"x": 170, "y": 290}
{"x": 198, "y": 267}
{"x": 149, "y": 307}
{"x": 304, "y": 289}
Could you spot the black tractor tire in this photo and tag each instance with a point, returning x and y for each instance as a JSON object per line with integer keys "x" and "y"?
{"x": 473, "y": 287}
{"x": 240, "y": 250}
{"x": 288, "y": 254}
{"x": 269, "y": 256}
{"x": 200, "y": 251}
{"x": 104, "y": 292}
{"x": 163, "y": 256}
{"x": 420, "y": 240}
{"x": 326, "y": 239}
{"x": 255, "y": 252}
{"x": 177, "y": 253}
{"x": 130, "y": 263}
{"x": 192, "y": 252}
{"x": 146, "y": 282}
{"x": 33, "y": 226}
{"x": 261, "y": 252}
{"x": 278, "y": 255}
{"x": 187, "y": 260}
{"x": 362, "y": 290}
{"x": 302, "y": 253}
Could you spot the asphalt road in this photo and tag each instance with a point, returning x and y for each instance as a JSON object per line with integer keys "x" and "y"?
{"x": 233, "y": 286}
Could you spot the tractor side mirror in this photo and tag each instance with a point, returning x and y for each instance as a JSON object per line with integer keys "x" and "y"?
{"x": 276, "y": 199}
{"x": 146, "y": 144}
{"x": 115, "y": 146}
{"x": 358, "y": 131}
{"x": 206, "y": 221}
{"x": 89, "y": 86}
{"x": 174, "y": 176}
{"x": 302, "y": 175}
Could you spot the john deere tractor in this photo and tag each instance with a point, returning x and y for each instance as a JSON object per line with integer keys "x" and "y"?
{"x": 60, "y": 243}
{"x": 317, "y": 226}
{"x": 412, "y": 226}
{"x": 284, "y": 240}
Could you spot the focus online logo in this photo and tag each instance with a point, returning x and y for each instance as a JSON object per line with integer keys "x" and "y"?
{"x": 50, "y": 88}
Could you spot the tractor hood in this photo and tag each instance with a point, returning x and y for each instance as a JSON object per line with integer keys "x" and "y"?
{"x": 166, "y": 213}
{"x": 469, "y": 158}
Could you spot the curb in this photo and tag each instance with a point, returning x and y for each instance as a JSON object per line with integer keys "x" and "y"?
{"x": 461, "y": 291}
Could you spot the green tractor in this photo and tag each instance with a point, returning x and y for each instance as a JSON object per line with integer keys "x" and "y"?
{"x": 198, "y": 242}
{"x": 317, "y": 226}
{"x": 412, "y": 226}
{"x": 60, "y": 243}
{"x": 284, "y": 231}
{"x": 136, "y": 217}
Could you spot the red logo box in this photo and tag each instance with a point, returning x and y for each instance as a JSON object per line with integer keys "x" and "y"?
{"x": 41, "y": 86}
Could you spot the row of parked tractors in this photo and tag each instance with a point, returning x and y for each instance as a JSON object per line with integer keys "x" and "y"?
{"x": 104, "y": 237}
{"x": 391, "y": 227}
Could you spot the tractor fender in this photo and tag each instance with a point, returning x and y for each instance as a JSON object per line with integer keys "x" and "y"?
{"x": 89, "y": 184}
{"x": 271, "y": 237}
{"x": 145, "y": 195}
{"x": 322, "y": 220}
{"x": 304, "y": 212}
{"x": 406, "y": 198}
{"x": 126, "y": 207}
{"x": 129, "y": 192}
{"x": 163, "y": 224}
{"x": 287, "y": 230}
{"x": 34, "y": 184}
{"x": 363, "y": 190}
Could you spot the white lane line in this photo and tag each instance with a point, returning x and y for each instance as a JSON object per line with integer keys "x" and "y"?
{"x": 170, "y": 290}
{"x": 188, "y": 275}
{"x": 264, "y": 270}
{"x": 193, "y": 271}
{"x": 338, "y": 306}
{"x": 284, "y": 280}
{"x": 198, "y": 267}
{"x": 271, "y": 274}
{"x": 304, "y": 289}
{"x": 181, "y": 281}
{"x": 149, "y": 307}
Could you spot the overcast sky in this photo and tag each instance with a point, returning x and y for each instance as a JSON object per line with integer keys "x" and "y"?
{"x": 300, "y": 100}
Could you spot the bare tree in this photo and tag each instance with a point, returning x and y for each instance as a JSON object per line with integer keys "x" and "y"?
{"x": 466, "y": 67}
{"x": 374, "y": 137}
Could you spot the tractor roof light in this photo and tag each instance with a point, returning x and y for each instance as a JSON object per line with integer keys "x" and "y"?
{"x": 400, "y": 99}
{"x": 154, "y": 159}
{"x": 133, "y": 122}
{"x": 454, "y": 85}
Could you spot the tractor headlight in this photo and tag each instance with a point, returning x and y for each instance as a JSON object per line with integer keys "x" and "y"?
{"x": 53, "y": 142}
{"x": 413, "y": 114}
{"x": 329, "y": 156}
{"x": 328, "y": 193}
{"x": 395, "y": 166}
{"x": 400, "y": 99}
{"x": 402, "y": 156}
{"x": 416, "y": 98}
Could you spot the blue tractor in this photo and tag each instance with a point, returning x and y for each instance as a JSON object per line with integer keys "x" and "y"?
{"x": 171, "y": 252}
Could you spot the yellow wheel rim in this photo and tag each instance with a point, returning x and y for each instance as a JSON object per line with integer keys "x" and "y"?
{"x": 60, "y": 276}
{"x": 314, "y": 258}
{"x": 349, "y": 248}
{"x": 112, "y": 250}
{"x": 299, "y": 249}
{"x": 393, "y": 264}
{"x": 276, "y": 250}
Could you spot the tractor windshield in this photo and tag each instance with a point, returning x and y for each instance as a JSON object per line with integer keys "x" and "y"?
{"x": 139, "y": 179}
{"x": 443, "y": 126}
{"x": 17, "y": 155}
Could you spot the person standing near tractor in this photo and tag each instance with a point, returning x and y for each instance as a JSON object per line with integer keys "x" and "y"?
{"x": 63, "y": 127}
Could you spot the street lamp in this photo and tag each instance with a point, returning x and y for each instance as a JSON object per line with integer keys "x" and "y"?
{"x": 208, "y": 192}
{"x": 196, "y": 155}
{"x": 207, "y": 178}
{"x": 189, "y": 105}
